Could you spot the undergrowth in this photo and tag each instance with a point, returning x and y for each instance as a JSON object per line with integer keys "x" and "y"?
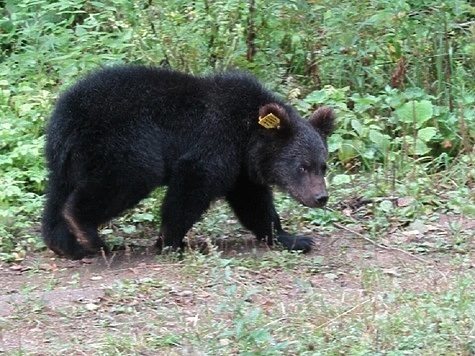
{"x": 398, "y": 74}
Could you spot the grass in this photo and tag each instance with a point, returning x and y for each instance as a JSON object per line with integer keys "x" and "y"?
{"x": 392, "y": 274}
{"x": 359, "y": 301}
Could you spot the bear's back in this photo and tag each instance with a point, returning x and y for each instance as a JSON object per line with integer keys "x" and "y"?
{"x": 122, "y": 94}
{"x": 139, "y": 106}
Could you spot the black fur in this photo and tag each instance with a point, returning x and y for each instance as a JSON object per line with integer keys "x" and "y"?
{"x": 120, "y": 132}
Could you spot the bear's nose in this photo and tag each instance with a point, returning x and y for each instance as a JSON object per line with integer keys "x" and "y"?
{"x": 321, "y": 199}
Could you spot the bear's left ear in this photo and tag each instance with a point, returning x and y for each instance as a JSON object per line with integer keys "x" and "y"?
{"x": 323, "y": 120}
{"x": 273, "y": 117}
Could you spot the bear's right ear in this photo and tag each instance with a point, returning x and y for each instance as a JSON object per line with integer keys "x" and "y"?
{"x": 273, "y": 117}
{"x": 323, "y": 120}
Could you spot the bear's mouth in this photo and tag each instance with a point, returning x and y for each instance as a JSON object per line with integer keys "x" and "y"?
{"x": 317, "y": 200}
{"x": 312, "y": 193}
{"x": 314, "y": 202}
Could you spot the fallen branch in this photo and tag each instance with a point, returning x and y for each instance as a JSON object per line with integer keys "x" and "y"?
{"x": 344, "y": 313}
{"x": 360, "y": 201}
{"x": 384, "y": 247}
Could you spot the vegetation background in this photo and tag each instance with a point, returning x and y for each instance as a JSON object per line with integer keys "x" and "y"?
{"x": 400, "y": 75}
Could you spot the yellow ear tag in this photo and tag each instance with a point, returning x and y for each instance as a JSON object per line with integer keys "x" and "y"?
{"x": 270, "y": 121}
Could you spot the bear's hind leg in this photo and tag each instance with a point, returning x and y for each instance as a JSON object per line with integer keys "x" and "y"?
{"x": 96, "y": 203}
{"x": 57, "y": 234}
{"x": 83, "y": 218}
{"x": 54, "y": 228}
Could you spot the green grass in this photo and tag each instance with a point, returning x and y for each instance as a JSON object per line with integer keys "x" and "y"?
{"x": 222, "y": 306}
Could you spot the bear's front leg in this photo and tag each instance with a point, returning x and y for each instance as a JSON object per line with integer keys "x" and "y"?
{"x": 253, "y": 204}
{"x": 195, "y": 183}
{"x": 294, "y": 242}
{"x": 180, "y": 210}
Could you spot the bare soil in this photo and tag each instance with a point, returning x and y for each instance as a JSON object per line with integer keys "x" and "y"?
{"x": 42, "y": 279}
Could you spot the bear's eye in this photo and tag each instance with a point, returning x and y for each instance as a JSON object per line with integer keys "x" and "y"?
{"x": 303, "y": 169}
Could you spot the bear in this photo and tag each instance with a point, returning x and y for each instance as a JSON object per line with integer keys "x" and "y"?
{"x": 122, "y": 131}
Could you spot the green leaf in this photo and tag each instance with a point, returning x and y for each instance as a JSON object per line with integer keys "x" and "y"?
{"x": 128, "y": 229}
{"x": 381, "y": 141}
{"x": 426, "y": 133}
{"x": 417, "y": 112}
{"x": 80, "y": 31}
{"x": 418, "y": 148}
{"x": 421, "y": 148}
{"x": 334, "y": 142}
{"x": 139, "y": 217}
{"x": 386, "y": 206}
{"x": 346, "y": 151}
{"x": 317, "y": 97}
{"x": 356, "y": 125}
{"x": 341, "y": 179}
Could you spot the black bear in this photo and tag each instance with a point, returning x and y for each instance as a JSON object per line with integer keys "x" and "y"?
{"x": 121, "y": 132}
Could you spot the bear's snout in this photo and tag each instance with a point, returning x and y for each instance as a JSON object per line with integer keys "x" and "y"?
{"x": 311, "y": 191}
{"x": 321, "y": 200}
{"x": 314, "y": 200}
{"x": 309, "y": 197}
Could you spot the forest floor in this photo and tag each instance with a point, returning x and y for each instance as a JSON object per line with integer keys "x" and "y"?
{"x": 243, "y": 297}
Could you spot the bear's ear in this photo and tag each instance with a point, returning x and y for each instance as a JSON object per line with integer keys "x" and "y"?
{"x": 323, "y": 120}
{"x": 273, "y": 116}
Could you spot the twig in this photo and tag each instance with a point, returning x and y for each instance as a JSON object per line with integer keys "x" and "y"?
{"x": 345, "y": 313}
{"x": 420, "y": 259}
{"x": 360, "y": 201}
{"x": 107, "y": 261}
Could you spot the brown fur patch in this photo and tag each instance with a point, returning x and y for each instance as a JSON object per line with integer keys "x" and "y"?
{"x": 74, "y": 227}
{"x": 306, "y": 192}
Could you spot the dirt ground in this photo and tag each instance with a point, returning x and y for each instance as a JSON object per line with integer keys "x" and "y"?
{"x": 74, "y": 280}
{"x": 43, "y": 278}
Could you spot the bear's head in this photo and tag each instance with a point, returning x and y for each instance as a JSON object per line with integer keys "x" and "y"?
{"x": 291, "y": 152}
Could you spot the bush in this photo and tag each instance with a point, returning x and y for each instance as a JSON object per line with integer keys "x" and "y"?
{"x": 399, "y": 73}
